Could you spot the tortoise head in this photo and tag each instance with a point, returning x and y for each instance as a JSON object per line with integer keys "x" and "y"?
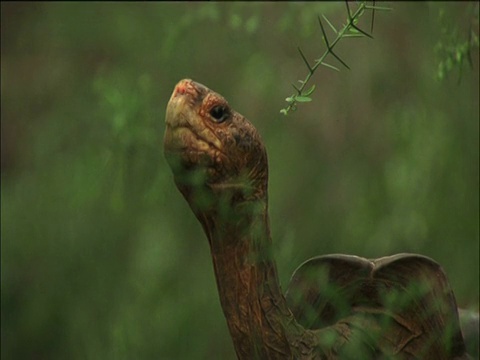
{"x": 212, "y": 149}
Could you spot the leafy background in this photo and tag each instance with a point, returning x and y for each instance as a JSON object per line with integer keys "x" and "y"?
{"x": 101, "y": 256}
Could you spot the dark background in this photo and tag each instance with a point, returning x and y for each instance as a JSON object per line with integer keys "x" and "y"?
{"x": 101, "y": 256}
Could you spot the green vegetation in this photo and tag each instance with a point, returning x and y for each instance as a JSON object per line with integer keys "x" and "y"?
{"x": 454, "y": 45}
{"x": 348, "y": 30}
{"x": 101, "y": 256}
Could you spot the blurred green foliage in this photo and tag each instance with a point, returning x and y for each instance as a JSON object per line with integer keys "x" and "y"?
{"x": 455, "y": 47}
{"x": 101, "y": 256}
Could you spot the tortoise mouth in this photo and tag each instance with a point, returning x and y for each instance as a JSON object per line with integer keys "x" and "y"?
{"x": 182, "y": 138}
{"x": 185, "y": 150}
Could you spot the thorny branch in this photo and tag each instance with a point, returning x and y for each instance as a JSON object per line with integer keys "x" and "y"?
{"x": 350, "y": 29}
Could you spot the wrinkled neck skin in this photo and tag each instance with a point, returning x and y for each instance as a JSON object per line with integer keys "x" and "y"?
{"x": 260, "y": 323}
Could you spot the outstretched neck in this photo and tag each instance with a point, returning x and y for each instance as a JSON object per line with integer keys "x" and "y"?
{"x": 258, "y": 318}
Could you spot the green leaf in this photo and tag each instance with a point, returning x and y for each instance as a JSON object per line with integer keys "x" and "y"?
{"x": 330, "y": 24}
{"x": 309, "y": 91}
{"x": 284, "y": 112}
{"x": 379, "y": 8}
{"x": 303, "y": 99}
{"x": 330, "y": 66}
{"x": 353, "y": 35}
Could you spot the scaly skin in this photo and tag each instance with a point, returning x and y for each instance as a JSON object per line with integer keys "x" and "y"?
{"x": 220, "y": 166}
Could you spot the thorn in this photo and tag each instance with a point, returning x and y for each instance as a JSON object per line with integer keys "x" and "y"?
{"x": 373, "y": 17}
{"x": 336, "y": 57}
{"x": 305, "y": 60}
{"x": 348, "y": 10}
{"x": 323, "y": 32}
{"x": 360, "y": 30}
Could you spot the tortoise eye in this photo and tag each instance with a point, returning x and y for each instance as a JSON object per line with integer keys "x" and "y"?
{"x": 219, "y": 113}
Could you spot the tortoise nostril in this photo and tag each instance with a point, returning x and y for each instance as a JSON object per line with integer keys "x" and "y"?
{"x": 184, "y": 87}
{"x": 181, "y": 89}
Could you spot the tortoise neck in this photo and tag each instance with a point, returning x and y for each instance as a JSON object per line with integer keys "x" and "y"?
{"x": 258, "y": 317}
